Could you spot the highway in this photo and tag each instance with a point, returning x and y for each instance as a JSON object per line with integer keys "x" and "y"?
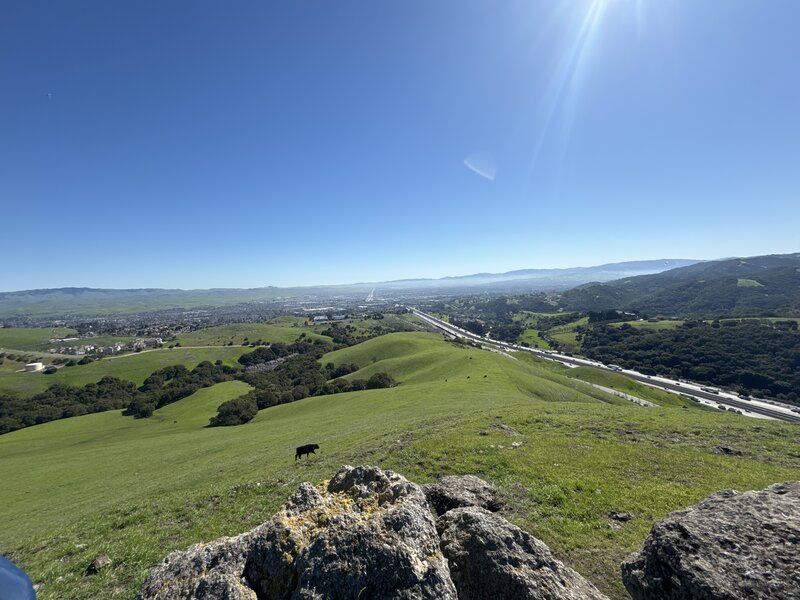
{"x": 757, "y": 406}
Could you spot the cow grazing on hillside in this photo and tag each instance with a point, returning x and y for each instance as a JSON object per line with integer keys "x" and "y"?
{"x": 307, "y": 449}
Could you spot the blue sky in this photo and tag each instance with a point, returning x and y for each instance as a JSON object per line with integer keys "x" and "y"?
{"x": 206, "y": 144}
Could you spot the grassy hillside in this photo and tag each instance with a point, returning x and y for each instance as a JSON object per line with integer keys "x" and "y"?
{"x": 138, "y": 489}
{"x": 31, "y": 338}
{"x": 131, "y": 367}
{"x": 739, "y": 286}
{"x": 211, "y": 343}
{"x": 238, "y": 333}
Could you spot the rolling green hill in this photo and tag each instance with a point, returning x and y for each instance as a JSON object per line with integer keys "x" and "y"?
{"x": 238, "y": 333}
{"x": 31, "y": 338}
{"x": 737, "y": 286}
{"x": 136, "y": 489}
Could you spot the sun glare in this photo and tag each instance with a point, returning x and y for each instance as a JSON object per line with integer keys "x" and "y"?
{"x": 581, "y": 23}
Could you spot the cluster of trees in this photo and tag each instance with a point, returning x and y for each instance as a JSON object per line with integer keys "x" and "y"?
{"x": 61, "y": 401}
{"x": 296, "y": 378}
{"x": 343, "y": 335}
{"x": 235, "y": 412}
{"x": 499, "y": 317}
{"x": 757, "y": 357}
{"x": 507, "y": 332}
{"x": 752, "y": 287}
{"x": 607, "y": 316}
{"x": 303, "y": 345}
{"x": 473, "y": 325}
{"x": 299, "y": 375}
{"x": 174, "y": 383}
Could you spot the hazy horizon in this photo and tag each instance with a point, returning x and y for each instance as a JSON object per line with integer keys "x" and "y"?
{"x": 377, "y": 282}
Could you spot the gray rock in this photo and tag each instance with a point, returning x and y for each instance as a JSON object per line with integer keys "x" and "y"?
{"x": 491, "y": 558}
{"x": 458, "y": 491}
{"x": 727, "y": 451}
{"x": 202, "y": 572}
{"x": 369, "y": 534}
{"x": 222, "y": 586}
{"x": 731, "y": 545}
{"x": 623, "y": 517}
{"x": 510, "y": 431}
{"x": 98, "y": 563}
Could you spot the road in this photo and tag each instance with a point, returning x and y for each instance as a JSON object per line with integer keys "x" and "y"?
{"x": 759, "y": 407}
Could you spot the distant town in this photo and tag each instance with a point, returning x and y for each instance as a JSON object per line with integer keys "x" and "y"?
{"x": 84, "y": 349}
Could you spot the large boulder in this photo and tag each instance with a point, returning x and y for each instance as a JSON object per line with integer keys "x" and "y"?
{"x": 368, "y": 534}
{"x": 491, "y": 558}
{"x": 202, "y": 572}
{"x": 731, "y": 545}
{"x": 458, "y": 491}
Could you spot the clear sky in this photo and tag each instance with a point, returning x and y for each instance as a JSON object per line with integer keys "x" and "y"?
{"x": 198, "y": 143}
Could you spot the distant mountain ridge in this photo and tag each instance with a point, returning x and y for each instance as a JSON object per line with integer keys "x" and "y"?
{"x": 539, "y": 279}
{"x": 87, "y": 301}
{"x": 730, "y": 286}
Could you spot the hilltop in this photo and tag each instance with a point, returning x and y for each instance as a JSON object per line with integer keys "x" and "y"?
{"x": 567, "y": 454}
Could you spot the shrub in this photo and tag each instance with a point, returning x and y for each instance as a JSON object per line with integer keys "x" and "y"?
{"x": 140, "y": 408}
{"x": 379, "y": 380}
{"x": 235, "y": 412}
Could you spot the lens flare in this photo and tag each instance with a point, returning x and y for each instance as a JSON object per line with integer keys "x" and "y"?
{"x": 481, "y": 164}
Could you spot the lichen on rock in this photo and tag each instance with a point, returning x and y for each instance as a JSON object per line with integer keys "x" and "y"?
{"x": 372, "y": 534}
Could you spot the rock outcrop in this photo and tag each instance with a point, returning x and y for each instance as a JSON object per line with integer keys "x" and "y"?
{"x": 369, "y": 533}
{"x": 491, "y": 558}
{"x": 203, "y": 572}
{"x": 731, "y": 545}
{"x": 458, "y": 491}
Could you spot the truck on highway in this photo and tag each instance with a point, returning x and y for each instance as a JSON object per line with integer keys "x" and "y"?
{"x": 710, "y": 390}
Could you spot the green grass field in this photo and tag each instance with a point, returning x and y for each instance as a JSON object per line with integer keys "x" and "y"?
{"x": 137, "y": 489}
{"x": 566, "y": 335}
{"x": 748, "y": 283}
{"x": 531, "y": 318}
{"x": 35, "y": 339}
{"x": 286, "y": 332}
{"x": 100, "y": 340}
{"x": 531, "y": 337}
{"x": 131, "y": 367}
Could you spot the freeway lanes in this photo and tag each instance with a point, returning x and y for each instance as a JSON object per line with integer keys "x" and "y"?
{"x": 759, "y": 407}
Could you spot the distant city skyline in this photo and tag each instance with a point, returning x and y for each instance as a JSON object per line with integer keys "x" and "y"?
{"x": 200, "y": 145}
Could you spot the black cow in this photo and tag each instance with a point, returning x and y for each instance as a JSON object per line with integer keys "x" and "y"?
{"x": 307, "y": 449}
